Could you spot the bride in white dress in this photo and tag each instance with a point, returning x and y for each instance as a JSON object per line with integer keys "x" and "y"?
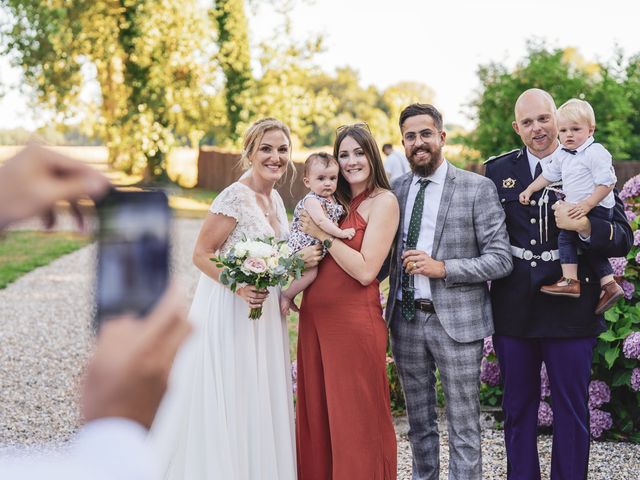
{"x": 228, "y": 413}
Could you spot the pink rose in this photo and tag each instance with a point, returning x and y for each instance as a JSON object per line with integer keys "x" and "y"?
{"x": 255, "y": 265}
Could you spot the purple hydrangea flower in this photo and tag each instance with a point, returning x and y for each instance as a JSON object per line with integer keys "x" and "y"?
{"x": 631, "y": 188}
{"x": 487, "y": 349}
{"x": 635, "y": 379}
{"x": 599, "y": 422}
{"x": 294, "y": 376}
{"x": 545, "y": 414}
{"x": 628, "y": 288}
{"x": 489, "y": 372}
{"x": 599, "y": 394}
{"x": 545, "y": 387}
{"x": 630, "y": 215}
{"x": 638, "y": 255}
{"x": 618, "y": 264}
{"x": 631, "y": 346}
{"x": 636, "y": 239}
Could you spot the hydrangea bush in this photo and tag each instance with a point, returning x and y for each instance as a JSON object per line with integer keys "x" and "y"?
{"x": 614, "y": 392}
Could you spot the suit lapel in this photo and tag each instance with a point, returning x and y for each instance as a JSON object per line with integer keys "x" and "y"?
{"x": 445, "y": 201}
{"x": 403, "y": 194}
{"x": 521, "y": 169}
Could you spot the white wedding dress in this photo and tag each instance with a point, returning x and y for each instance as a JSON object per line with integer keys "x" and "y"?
{"x": 228, "y": 412}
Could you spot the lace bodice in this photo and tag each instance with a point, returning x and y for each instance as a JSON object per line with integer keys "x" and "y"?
{"x": 239, "y": 201}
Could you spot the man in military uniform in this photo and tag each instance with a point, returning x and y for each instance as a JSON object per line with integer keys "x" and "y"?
{"x": 531, "y": 327}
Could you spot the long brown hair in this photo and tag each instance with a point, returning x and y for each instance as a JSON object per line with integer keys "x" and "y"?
{"x": 378, "y": 177}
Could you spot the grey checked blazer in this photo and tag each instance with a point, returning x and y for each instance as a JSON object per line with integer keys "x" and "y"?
{"x": 471, "y": 238}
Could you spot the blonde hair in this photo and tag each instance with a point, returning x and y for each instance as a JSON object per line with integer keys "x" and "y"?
{"x": 578, "y": 111}
{"x": 253, "y": 137}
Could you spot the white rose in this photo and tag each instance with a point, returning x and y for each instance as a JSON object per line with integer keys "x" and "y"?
{"x": 240, "y": 249}
{"x": 260, "y": 249}
{"x": 285, "y": 250}
{"x": 272, "y": 262}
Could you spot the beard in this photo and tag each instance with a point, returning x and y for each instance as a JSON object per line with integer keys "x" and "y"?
{"x": 427, "y": 168}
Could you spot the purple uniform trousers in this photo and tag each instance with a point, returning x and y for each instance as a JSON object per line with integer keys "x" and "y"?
{"x": 568, "y": 362}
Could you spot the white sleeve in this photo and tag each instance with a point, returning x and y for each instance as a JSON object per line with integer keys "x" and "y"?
{"x": 105, "y": 449}
{"x": 552, "y": 170}
{"x": 601, "y": 165}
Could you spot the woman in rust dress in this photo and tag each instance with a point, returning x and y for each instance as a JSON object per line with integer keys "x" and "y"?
{"x": 343, "y": 422}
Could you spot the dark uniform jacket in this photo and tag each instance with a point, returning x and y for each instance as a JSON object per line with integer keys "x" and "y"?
{"x": 519, "y": 309}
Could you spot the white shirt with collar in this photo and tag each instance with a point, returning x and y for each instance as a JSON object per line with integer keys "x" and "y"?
{"x": 396, "y": 165}
{"x": 533, "y": 160}
{"x": 544, "y": 162}
{"x": 104, "y": 449}
{"x": 432, "y": 197}
{"x": 582, "y": 172}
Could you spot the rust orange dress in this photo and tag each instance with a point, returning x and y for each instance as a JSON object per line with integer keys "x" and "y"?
{"x": 343, "y": 417}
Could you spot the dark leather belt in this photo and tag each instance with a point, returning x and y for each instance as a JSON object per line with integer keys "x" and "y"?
{"x": 424, "y": 305}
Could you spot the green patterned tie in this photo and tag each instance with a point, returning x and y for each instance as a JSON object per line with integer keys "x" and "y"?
{"x": 408, "y": 292}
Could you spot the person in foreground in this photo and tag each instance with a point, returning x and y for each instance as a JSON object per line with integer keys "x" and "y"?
{"x": 343, "y": 422}
{"x": 229, "y": 411}
{"x": 127, "y": 374}
{"x": 451, "y": 240}
{"x": 531, "y": 327}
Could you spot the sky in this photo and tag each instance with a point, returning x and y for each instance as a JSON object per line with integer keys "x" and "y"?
{"x": 438, "y": 43}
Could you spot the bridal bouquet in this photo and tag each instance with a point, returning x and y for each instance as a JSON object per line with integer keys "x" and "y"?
{"x": 262, "y": 263}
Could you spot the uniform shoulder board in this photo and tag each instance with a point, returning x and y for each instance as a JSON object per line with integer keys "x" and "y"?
{"x": 495, "y": 157}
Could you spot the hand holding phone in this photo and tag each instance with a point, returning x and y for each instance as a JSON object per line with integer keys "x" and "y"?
{"x": 133, "y": 253}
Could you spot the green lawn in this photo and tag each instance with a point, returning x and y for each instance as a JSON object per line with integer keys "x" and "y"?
{"x": 23, "y": 251}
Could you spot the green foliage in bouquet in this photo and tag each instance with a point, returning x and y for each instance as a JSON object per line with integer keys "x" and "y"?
{"x": 262, "y": 263}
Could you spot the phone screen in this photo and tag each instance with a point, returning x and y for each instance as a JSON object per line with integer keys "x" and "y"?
{"x": 133, "y": 252}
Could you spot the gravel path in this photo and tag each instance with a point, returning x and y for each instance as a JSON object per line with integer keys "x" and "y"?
{"x": 45, "y": 339}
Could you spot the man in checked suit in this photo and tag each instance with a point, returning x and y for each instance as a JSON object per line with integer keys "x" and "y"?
{"x": 451, "y": 240}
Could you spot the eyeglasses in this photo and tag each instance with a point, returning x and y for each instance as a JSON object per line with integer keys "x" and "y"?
{"x": 362, "y": 125}
{"x": 425, "y": 135}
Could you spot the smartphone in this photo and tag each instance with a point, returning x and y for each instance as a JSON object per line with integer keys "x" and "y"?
{"x": 133, "y": 253}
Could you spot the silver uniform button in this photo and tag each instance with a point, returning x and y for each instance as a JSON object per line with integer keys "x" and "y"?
{"x": 533, "y": 242}
{"x": 533, "y": 220}
{"x": 534, "y": 264}
{"x": 532, "y": 203}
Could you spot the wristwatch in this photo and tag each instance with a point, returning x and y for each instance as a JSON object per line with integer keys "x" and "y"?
{"x": 327, "y": 242}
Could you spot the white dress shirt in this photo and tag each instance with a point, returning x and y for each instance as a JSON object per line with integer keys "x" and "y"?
{"x": 533, "y": 160}
{"x": 104, "y": 449}
{"x": 432, "y": 196}
{"x": 582, "y": 172}
{"x": 396, "y": 165}
{"x": 544, "y": 162}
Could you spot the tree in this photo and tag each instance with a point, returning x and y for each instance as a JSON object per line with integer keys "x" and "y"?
{"x": 632, "y": 92}
{"x": 235, "y": 59}
{"x": 611, "y": 89}
{"x": 551, "y": 70}
{"x": 148, "y": 59}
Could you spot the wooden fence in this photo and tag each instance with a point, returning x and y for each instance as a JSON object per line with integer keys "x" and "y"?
{"x": 218, "y": 169}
